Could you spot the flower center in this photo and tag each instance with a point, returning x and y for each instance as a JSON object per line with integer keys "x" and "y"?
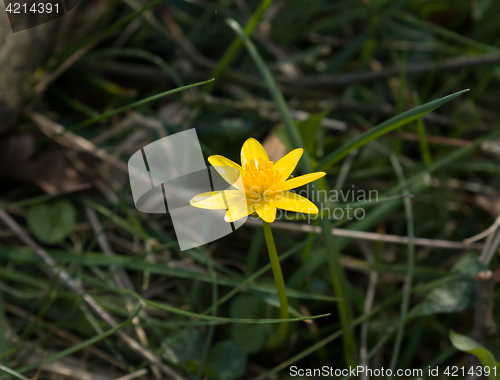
{"x": 258, "y": 176}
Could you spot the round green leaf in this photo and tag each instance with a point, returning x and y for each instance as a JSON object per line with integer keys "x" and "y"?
{"x": 247, "y": 306}
{"x": 250, "y": 338}
{"x": 183, "y": 346}
{"x": 52, "y": 222}
{"x": 228, "y": 360}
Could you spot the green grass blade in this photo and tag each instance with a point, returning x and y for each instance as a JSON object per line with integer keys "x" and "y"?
{"x": 141, "y": 102}
{"x": 381, "y": 129}
{"x": 108, "y": 114}
{"x": 415, "y": 184}
{"x": 83, "y": 344}
{"x": 211, "y": 329}
{"x": 236, "y": 45}
{"x": 222, "y": 319}
{"x": 258, "y": 273}
{"x": 112, "y": 28}
{"x": 74, "y": 103}
{"x": 254, "y": 250}
{"x": 466, "y": 344}
{"x": 138, "y": 264}
{"x": 12, "y": 372}
{"x": 276, "y": 94}
{"x": 411, "y": 262}
{"x": 29, "y": 201}
{"x": 410, "y": 19}
{"x": 139, "y": 53}
{"x": 330, "y": 338}
{"x": 424, "y": 145}
{"x": 340, "y": 285}
{"x": 190, "y": 314}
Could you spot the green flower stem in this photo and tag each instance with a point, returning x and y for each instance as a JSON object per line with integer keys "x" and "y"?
{"x": 278, "y": 279}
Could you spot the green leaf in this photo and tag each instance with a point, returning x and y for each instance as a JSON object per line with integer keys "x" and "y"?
{"x": 308, "y": 130}
{"x": 228, "y": 360}
{"x": 183, "y": 346}
{"x": 466, "y": 344}
{"x": 455, "y": 295}
{"x": 381, "y": 129}
{"x": 249, "y": 338}
{"x": 466, "y": 116}
{"x": 280, "y": 132}
{"x": 52, "y": 222}
{"x": 480, "y": 8}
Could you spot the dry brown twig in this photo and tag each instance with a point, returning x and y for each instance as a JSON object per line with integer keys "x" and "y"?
{"x": 306, "y": 228}
{"x": 70, "y": 368}
{"x": 39, "y": 370}
{"x": 345, "y": 79}
{"x": 121, "y": 277}
{"x": 72, "y": 140}
{"x": 492, "y": 241}
{"x": 491, "y": 229}
{"x": 134, "y": 375}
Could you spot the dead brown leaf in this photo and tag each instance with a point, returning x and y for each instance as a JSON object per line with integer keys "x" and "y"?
{"x": 51, "y": 169}
{"x": 274, "y": 147}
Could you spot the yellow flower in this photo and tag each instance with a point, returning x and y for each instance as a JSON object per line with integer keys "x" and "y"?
{"x": 261, "y": 186}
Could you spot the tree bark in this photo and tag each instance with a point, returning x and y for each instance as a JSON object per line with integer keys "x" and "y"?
{"x": 21, "y": 54}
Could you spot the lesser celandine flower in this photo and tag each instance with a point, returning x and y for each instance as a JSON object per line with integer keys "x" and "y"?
{"x": 266, "y": 185}
{"x": 262, "y": 187}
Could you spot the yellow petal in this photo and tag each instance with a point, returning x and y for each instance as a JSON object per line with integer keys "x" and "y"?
{"x": 217, "y": 200}
{"x": 229, "y": 170}
{"x": 287, "y": 164}
{"x": 297, "y": 181}
{"x": 291, "y": 201}
{"x": 252, "y": 149}
{"x": 237, "y": 210}
{"x": 266, "y": 211}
